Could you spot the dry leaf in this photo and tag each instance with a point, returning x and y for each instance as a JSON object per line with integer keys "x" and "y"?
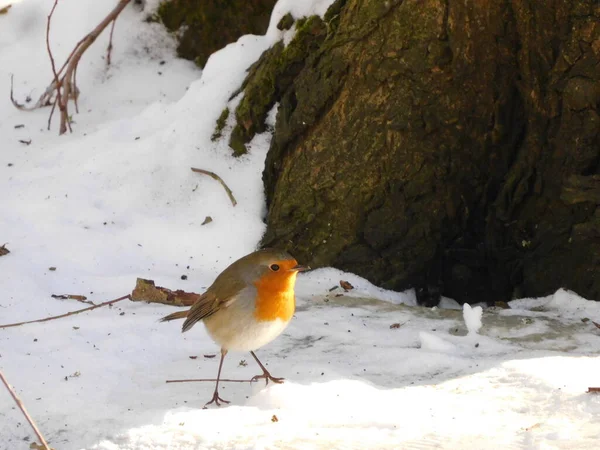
{"x": 501, "y": 304}
{"x": 395, "y": 325}
{"x": 346, "y": 286}
{"x": 4, "y": 250}
{"x": 593, "y": 390}
{"x": 146, "y": 290}
{"x": 207, "y": 219}
{"x": 274, "y": 418}
{"x": 5, "y": 9}
{"x": 36, "y": 446}
{"x": 243, "y": 363}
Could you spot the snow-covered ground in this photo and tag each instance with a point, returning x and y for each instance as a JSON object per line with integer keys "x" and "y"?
{"x": 116, "y": 200}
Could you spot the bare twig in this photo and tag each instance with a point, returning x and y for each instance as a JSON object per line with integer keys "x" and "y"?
{"x": 56, "y": 82}
{"x": 24, "y": 411}
{"x": 64, "y": 84}
{"x": 220, "y": 180}
{"x": 12, "y": 98}
{"x": 110, "y": 46}
{"x": 79, "y": 298}
{"x": 208, "y": 379}
{"x": 72, "y": 313}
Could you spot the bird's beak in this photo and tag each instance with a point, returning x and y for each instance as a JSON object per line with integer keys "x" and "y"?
{"x": 299, "y": 268}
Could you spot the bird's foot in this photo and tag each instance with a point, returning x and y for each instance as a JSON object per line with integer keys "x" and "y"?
{"x": 267, "y": 376}
{"x": 215, "y": 399}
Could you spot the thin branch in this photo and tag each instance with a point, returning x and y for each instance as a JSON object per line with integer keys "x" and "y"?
{"x": 64, "y": 84}
{"x": 56, "y": 82}
{"x": 72, "y": 313}
{"x": 209, "y": 379}
{"x": 220, "y": 180}
{"x": 76, "y": 90}
{"x": 52, "y": 112}
{"x": 24, "y": 411}
{"x": 12, "y": 98}
{"x": 68, "y": 77}
{"x": 110, "y": 46}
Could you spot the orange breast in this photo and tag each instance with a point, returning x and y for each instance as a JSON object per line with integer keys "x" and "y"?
{"x": 275, "y": 297}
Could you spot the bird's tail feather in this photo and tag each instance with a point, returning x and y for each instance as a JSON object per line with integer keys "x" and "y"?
{"x": 175, "y": 316}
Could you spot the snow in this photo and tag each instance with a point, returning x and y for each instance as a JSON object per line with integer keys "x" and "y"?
{"x": 116, "y": 200}
{"x": 472, "y": 316}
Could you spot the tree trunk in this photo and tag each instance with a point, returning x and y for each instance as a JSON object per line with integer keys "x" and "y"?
{"x": 205, "y": 26}
{"x": 445, "y": 145}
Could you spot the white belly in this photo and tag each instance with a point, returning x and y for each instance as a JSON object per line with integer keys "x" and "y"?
{"x": 239, "y": 330}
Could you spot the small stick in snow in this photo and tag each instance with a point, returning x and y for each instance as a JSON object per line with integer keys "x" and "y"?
{"x": 57, "y": 100}
{"x": 25, "y": 413}
{"x": 220, "y": 180}
{"x": 79, "y": 298}
{"x": 212, "y": 380}
{"x": 110, "y": 46}
{"x": 72, "y": 313}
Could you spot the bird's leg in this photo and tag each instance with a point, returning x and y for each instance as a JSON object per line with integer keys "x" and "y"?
{"x": 266, "y": 375}
{"x": 215, "y": 398}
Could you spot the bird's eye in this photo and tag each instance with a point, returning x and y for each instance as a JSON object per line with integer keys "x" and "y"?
{"x": 274, "y": 267}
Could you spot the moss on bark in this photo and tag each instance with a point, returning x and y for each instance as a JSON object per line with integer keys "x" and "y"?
{"x": 205, "y": 26}
{"x": 270, "y": 77}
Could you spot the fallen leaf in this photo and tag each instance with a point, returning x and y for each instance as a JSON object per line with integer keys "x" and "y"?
{"x": 501, "y": 304}
{"x": 4, "y": 250}
{"x": 593, "y": 390}
{"x": 346, "y": 286}
{"x": 207, "y": 220}
{"x": 274, "y": 418}
{"x": 585, "y": 320}
{"x": 36, "y": 446}
{"x": 395, "y": 325}
{"x": 243, "y": 363}
{"x": 5, "y": 9}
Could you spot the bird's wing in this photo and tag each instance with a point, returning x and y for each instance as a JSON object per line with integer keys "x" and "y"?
{"x": 220, "y": 295}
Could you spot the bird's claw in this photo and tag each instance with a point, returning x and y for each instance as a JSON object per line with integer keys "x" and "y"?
{"x": 267, "y": 376}
{"x": 215, "y": 399}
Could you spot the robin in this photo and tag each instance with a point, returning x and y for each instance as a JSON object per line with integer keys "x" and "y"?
{"x": 249, "y": 304}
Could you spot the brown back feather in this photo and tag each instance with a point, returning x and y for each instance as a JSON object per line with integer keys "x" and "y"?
{"x": 230, "y": 282}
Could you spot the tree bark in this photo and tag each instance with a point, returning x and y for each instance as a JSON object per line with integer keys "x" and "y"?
{"x": 205, "y": 26}
{"x": 445, "y": 145}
